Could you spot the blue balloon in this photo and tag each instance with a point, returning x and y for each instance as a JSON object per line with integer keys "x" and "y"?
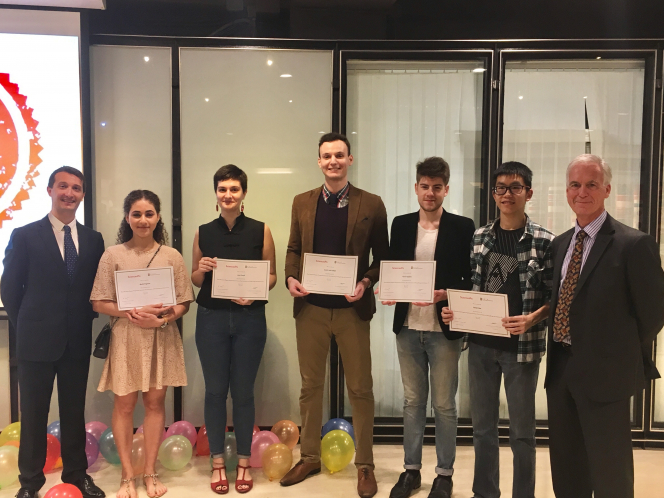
{"x": 338, "y": 424}
{"x": 107, "y": 447}
{"x": 54, "y": 429}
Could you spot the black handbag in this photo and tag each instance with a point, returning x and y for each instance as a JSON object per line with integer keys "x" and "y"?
{"x": 103, "y": 341}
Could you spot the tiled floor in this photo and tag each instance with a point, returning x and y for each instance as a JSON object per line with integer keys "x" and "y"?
{"x": 193, "y": 480}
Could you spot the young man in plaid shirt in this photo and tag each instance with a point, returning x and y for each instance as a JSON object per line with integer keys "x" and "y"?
{"x": 509, "y": 256}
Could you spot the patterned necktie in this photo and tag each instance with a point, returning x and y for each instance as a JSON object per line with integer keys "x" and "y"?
{"x": 561, "y": 318}
{"x": 71, "y": 256}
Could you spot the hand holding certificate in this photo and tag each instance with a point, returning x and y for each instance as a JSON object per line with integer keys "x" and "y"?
{"x": 407, "y": 281}
{"x": 478, "y": 312}
{"x": 325, "y": 274}
{"x": 145, "y": 287}
{"x": 241, "y": 279}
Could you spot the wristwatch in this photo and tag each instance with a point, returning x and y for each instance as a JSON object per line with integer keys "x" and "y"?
{"x": 163, "y": 325}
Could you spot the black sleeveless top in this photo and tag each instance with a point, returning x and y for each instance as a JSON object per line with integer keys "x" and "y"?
{"x": 244, "y": 241}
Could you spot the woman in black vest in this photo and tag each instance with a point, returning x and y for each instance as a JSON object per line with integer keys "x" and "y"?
{"x": 230, "y": 334}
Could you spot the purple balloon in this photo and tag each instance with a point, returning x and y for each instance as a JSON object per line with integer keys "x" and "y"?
{"x": 259, "y": 443}
{"x": 183, "y": 428}
{"x": 96, "y": 429}
{"x": 91, "y": 448}
{"x": 140, "y": 431}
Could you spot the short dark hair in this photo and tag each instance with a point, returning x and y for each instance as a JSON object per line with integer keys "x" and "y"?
{"x": 125, "y": 233}
{"x": 333, "y": 137}
{"x": 513, "y": 168}
{"x": 230, "y": 172}
{"x": 434, "y": 167}
{"x": 66, "y": 169}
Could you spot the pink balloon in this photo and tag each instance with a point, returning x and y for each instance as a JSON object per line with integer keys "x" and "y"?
{"x": 259, "y": 443}
{"x": 140, "y": 431}
{"x": 96, "y": 429}
{"x": 183, "y": 428}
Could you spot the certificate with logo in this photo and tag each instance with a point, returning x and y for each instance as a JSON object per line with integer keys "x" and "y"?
{"x": 325, "y": 274}
{"x": 241, "y": 279}
{"x": 407, "y": 281}
{"x": 138, "y": 288}
{"x": 478, "y": 312}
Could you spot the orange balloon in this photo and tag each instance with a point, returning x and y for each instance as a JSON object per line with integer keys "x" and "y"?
{"x": 277, "y": 460}
{"x": 138, "y": 454}
{"x": 52, "y": 452}
{"x": 12, "y": 443}
{"x": 58, "y": 464}
{"x": 287, "y": 432}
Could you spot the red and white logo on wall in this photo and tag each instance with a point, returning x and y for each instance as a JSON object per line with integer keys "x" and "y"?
{"x": 19, "y": 149}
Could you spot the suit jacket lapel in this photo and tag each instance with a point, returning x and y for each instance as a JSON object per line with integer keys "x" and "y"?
{"x": 602, "y": 241}
{"x": 443, "y": 232}
{"x": 83, "y": 246}
{"x": 354, "y": 197}
{"x": 309, "y": 220}
{"x": 51, "y": 245}
{"x": 558, "y": 264}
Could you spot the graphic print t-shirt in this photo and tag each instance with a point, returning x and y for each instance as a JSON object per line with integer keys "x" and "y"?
{"x": 501, "y": 275}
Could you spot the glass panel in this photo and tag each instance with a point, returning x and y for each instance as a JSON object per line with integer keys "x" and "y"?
{"x": 131, "y": 124}
{"x": 399, "y": 113}
{"x": 544, "y": 128}
{"x": 236, "y": 108}
{"x": 658, "y": 394}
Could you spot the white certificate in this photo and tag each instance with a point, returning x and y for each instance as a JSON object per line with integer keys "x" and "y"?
{"x": 241, "y": 279}
{"x": 407, "y": 281}
{"x": 325, "y": 274}
{"x": 478, "y": 312}
{"x": 137, "y": 288}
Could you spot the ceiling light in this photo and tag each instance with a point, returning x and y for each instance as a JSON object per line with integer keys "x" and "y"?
{"x": 599, "y": 58}
{"x": 585, "y": 97}
{"x": 207, "y": 100}
{"x": 286, "y": 75}
{"x": 146, "y": 59}
{"x": 103, "y": 124}
{"x": 269, "y": 62}
{"x": 321, "y": 132}
{"x": 290, "y": 101}
{"x": 520, "y": 97}
{"x": 274, "y": 171}
{"x": 354, "y": 133}
{"x": 479, "y": 70}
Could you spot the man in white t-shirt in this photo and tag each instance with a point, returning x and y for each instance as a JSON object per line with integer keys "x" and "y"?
{"x": 425, "y": 345}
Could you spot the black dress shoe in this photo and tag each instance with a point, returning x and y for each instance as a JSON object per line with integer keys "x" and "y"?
{"x": 27, "y": 493}
{"x": 408, "y": 481}
{"x": 88, "y": 488}
{"x": 441, "y": 487}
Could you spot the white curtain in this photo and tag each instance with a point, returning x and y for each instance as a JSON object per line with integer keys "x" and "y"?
{"x": 398, "y": 114}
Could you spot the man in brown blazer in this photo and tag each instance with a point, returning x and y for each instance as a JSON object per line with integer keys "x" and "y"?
{"x": 336, "y": 219}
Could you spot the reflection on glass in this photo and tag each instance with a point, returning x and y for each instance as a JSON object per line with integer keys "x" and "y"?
{"x": 544, "y": 128}
{"x": 249, "y": 122}
{"x": 399, "y": 113}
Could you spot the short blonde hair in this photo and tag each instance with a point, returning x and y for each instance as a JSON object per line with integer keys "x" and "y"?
{"x": 593, "y": 159}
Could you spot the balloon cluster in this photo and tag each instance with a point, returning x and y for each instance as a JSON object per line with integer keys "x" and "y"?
{"x": 338, "y": 444}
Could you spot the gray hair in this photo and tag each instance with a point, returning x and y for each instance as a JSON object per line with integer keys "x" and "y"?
{"x": 593, "y": 159}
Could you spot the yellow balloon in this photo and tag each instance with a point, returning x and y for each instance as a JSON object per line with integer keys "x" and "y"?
{"x": 11, "y": 433}
{"x": 277, "y": 460}
{"x": 337, "y": 450}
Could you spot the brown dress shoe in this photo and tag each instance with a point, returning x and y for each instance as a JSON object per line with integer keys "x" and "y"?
{"x": 366, "y": 482}
{"x": 300, "y": 472}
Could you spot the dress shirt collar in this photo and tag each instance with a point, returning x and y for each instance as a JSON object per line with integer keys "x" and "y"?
{"x": 592, "y": 228}
{"x": 341, "y": 195}
{"x": 58, "y": 225}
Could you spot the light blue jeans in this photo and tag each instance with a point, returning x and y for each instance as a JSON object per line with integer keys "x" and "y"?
{"x": 486, "y": 368}
{"x": 424, "y": 355}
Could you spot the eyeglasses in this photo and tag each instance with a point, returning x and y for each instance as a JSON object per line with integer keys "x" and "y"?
{"x": 514, "y": 189}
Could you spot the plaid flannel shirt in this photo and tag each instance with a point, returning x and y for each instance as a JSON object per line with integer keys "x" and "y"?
{"x": 535, "y": 277}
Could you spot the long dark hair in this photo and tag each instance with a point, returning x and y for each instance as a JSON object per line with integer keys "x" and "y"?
{"x": 126, "y": 233}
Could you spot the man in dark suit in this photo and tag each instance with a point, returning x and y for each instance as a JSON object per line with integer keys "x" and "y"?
{"x": 425, "y": 345}
{"x": 606, "y": 310}
{"x": 336, "y": 219}
{"x": 49, "y": 269}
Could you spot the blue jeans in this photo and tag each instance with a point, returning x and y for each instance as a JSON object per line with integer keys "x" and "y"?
{"x": 424, "y": 354}
{"x": 486, "y": 367}
{"x": 230, "y": 346}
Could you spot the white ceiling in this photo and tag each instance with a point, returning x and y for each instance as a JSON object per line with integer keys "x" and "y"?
{"x": 72, "y": 4}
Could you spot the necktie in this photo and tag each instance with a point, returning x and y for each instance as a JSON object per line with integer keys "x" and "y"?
{"x": 71, "y": 256}
{"x": 561, "y": 318}
{"x": 333, "y": 200}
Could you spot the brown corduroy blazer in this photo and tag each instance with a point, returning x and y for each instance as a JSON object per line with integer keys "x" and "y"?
{"x": 367, "y": 230}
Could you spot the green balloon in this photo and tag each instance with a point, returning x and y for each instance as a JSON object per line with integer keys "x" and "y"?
{"x": 337, "y": 450}
{"x": 230, "y": 452}
{"x": 8, "y": 465}
{"x": 107, "y": 447}
{"x": 175, "y": 452}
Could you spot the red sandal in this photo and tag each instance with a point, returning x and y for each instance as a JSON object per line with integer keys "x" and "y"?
{"x": 220, "y": 487}
{"x": 241, "y": 482}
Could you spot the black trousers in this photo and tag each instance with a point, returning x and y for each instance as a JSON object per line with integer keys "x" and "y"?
{"x": 590, "y": 443}
{"x": 35, "y": 381}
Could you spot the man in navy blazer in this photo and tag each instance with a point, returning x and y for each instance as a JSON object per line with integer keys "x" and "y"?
{"x": 607, "y": 309}
{"x": 49, "y": 268}
{"x": 425, "y": 345}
